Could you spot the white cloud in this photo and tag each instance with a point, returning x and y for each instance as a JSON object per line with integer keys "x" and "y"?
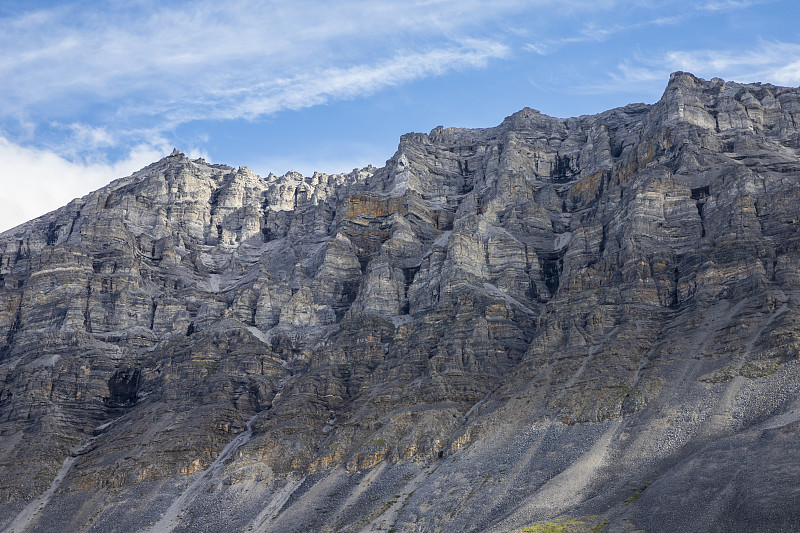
{"x": 316, "y": 88}
{"x": 136, "y": 59}
{"x": 594, "y": 32}
{"x": 728, "y": 5}
{"x": 767, "y": 62}
{"x": 635, "y": 15}
{"x": 182, "y": 57}
{"x": 84, "y": 80}
{"x": 78, "y": 80}
{"x": 91, "y": 136}
{"x": 36, "y": 181}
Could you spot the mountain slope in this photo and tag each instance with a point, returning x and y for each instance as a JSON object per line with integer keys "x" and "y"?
{"x": 594, "y": 317}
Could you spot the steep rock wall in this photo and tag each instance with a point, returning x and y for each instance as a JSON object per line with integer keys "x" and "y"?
{"x": 499, "y": 326}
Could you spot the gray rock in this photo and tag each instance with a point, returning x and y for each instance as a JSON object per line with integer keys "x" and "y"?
{"x": 592, "y": 318}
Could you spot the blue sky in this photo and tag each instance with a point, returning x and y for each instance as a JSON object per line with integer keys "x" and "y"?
{"x": 91, "y": 90}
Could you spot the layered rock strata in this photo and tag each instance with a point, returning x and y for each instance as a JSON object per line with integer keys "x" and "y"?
{"x": 595, "y": 318}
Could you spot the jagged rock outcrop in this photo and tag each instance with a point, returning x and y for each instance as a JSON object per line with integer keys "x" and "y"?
{"x": 595, "y": 317}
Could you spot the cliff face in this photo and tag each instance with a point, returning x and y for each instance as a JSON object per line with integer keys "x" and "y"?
{"x": 596, "y": 317}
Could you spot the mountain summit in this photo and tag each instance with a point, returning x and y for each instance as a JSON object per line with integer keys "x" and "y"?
{"x": 592, "y": 321}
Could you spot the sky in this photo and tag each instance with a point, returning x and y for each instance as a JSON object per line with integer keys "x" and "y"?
{"x": 94, "y": 90}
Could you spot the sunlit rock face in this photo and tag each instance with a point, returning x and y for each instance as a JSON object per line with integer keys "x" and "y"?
{"x": 595, "y": 318}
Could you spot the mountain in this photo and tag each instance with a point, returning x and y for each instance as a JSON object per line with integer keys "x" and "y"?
{"x": 592, "y": 321}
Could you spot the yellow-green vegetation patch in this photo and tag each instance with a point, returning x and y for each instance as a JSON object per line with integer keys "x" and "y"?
{"x": 388, "y": 505}
{"x": 210, "y": 366}
{"x": 637, "y": 493}
{"x": 43, "y": 473}
{"x": 722, "y": 375}
{"x": 591, "y": 524}
{"x": 759, "y": 369}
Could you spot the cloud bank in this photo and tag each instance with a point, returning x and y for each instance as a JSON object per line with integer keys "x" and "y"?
{"x": 81, "y": 79}
{"x": 93, "y": 90}
{"x": 44, "y": 181}
{"x": 207, "y": 59}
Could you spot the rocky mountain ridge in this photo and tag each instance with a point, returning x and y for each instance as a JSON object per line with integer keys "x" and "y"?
{"x": 594, "y": 318}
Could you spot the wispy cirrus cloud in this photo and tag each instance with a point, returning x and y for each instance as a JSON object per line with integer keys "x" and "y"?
{"x": 727, "y": 5}
{"x": 81, "y": 80}
{"x": 133, "y": 62}
{"x": 589, "y": 32}
{"x": 319, "y": 87}
{"x": 631, "y": 16}
{"x": 768, "y": 61}
{"x": 184, "y": 57}
{"x": 86, "y": 85}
